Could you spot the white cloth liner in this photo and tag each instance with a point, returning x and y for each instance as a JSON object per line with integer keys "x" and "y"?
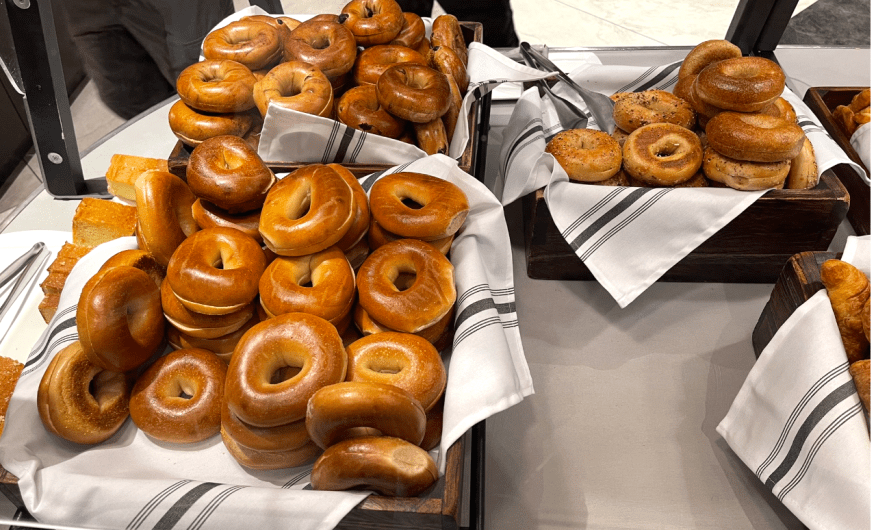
{"x": 627, "y": 237}
{"x": 292, "y": 136}
{"x": 798, "y": 423}
{"x": 860, "y": 140}
{"x": 132, "y": 481}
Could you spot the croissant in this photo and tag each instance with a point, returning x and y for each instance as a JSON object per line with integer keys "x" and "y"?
{"x": 848, "y": 290}
{"x": 861, "y": 375}
{"x": 865, "y": 317}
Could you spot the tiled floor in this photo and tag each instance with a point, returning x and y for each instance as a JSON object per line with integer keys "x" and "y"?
{"x": 553, "y": 22}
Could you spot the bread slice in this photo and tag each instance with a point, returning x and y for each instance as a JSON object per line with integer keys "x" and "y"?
{"x": 97, "y": 221}
{"x": 124, "y": 170}
{"x": 54, "y": 283}
{"x": 49, "y": 306}
{"x": 67, "y": 258}
{"x": 10, "y": 371}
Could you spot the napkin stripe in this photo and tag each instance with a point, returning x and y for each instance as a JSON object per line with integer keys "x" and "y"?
{"x": 593, "y": 209}
{"x": 296, "y": 479}
{"x": 808, "y": 125}
{"x": 346, "y": 139}
{"x": 642, "y": 76}
{"x": 623, "y": 224}
{"x": 331, "y": 140}
{"x": 58, "y": 324}
{"x": 827, "y": 404}
{"x": 374, "y": 177}
{"x": 807, "y": 397}
{"x": 483, "y": 305}
{"x": 358, "y": 149}
{"x": 36, "y": 357}
{"x": 31, "y": 366}
{"x": 668, "y": 70}
{"x": 175, "y": 513}
{"x": 474, "y": 329}
{"x": 834, "y": 426}
{"x": 211, "y": 507}
{"x": 609, "y": 216}
{"x": 153, "y": 503}
{"x": 483, "y": 88}
{"x": 533, "y": 128}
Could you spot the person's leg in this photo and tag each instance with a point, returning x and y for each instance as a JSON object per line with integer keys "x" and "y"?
{"x": 127, "y": 79}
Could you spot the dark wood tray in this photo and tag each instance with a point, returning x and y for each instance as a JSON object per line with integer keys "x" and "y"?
{"x": 750, "y": 249}
{"x": 440, "y": 507}
{"x": 472, "y": 32}
{"x": 823, "y": 101}
{"x": 799, "y": 280}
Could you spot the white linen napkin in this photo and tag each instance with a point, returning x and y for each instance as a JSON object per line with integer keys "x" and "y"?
{"x": 132, "y": 481}
{"x": 292, "y": 136}
{"x": 627, "y": 237}
{"x": 860, "y": 140}
{"x": 798, "y": 423}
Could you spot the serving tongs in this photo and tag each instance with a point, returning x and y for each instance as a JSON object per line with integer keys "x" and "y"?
{"x": 569, "y": 114}
{"x": 22, "y": 270}
{"x": 600, "y": 105}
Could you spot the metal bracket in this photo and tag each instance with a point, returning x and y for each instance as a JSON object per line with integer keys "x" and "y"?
{"x": 758, "y": 25}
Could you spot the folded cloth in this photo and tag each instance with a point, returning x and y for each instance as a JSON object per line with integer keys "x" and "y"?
{"x": 132, "y": 481}
{"x": 292, "y": 136}
{"x": 798, "y": 424}
{"x": 627, "y": 237}
{"x": 860, "y": 140}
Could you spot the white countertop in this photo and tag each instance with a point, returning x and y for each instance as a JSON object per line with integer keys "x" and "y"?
{"x": 621, "y": 430}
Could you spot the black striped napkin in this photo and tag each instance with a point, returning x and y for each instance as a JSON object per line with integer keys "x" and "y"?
{"x": 627, "y": 237}
{"x": 131, "y": 481}
{"x": 798, "y": 424}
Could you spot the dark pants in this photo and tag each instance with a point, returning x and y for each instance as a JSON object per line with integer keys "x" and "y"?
{"x": 495, "y": 15}
{"x": 135, "y": 49}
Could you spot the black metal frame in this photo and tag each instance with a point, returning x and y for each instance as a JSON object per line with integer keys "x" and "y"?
{"x": 758, "y": 25}
{"x": 45, "y": 96}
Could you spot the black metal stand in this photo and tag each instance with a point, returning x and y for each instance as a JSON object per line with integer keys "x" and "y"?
{"x": 758, "y": 25}
{"x": 48, "y": 109}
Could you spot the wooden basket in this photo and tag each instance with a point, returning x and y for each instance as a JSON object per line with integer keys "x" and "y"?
{"x": 823, "y": 101}
{"x": 751, "y": 249}
{"x": 799, "y": 280}
{"x": 440, "y": 507}
{"x": 472, "y": 32}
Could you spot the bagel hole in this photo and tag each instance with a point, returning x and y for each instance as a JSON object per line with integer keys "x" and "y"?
{"x": 666, "y": 150}
{"x": 302, "y": 209}
{"x": 411, "y": 203}
{"x": 105, "y": 386}
{"x": 404, "y": 280}
{"x": 391, "y": 370}
{"x": 320, "y": 43}
{"x": 284, "y": 374}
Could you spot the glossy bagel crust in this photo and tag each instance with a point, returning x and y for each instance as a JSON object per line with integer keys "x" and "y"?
{"x": 336, "y": 412}
{"x": 743, "y": 175}
{"x": 325, "y": 44}
{"x": 359, "y": 108}
{"x": 412, "y": 33}
{"x": 295, "y": 340}
{"x": 217, "y": 86}
{"x": 208, "y": 215}
{"x": 307, "y": 211}
{"x": 216, "y": 271}
{"x": 178, "y": 398}
{"x": 199, "y": 325}
{"x": 403, "y": 360}
{"x": 164, "y": 214}
{"x": 282, "y": 437}
{"x": 228, "y": 172}
{"x": 119, "y": 318}
{"x": 754, "y": 137}
{"x": 428, "y": 298}
{"x": 250, "y": 42}
{"x": 193, "y": 127}
{"x": 372, "y": 21}
{"x": 442, "y": 210}
{"x": 295, "y": 85}
{"x": 373, "y": 61}
{"x": 662, "y": 154}
{"x": 446, "y": 31}
{"x": 586, "y": 155}
{"x": 389, "y": 466}
{"x": 706, "y": 53}
{"x": 79, "y": 401}
{"x": 653, "y": 106}
{"x": 269, "y": 459}
{"x": 414, "y": 92}
{"x": 361, "y": 212}
{"x": 745, "y": 84}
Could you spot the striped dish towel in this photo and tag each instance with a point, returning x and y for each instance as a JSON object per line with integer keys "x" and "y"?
{"x": 627, "y": 237}
{"x": 292, "y": 136}
{"x": 798, "y": 424}
{"x": 130, "y": 481}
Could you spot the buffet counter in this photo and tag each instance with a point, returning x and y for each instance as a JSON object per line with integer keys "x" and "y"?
{"x": 621, "y": 431}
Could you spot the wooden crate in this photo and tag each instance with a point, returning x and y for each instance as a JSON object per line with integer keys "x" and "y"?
{"x": 472, "y": 32}
{"x": 823, "y": 101}
{"x": 750, "y": 249}
{"x": 799, "y": 280}
{"x": 440, "y": 507}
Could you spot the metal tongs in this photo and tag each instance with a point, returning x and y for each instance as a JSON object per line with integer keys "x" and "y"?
{"x": 570, "y": 116}
{"x": 23, "y": 270}
{"x": 600, "y": 105}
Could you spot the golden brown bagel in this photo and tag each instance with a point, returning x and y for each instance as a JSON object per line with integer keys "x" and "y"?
{"x": 282, "y": 437}
{"x": 662, "y": 154}
{"x": 293, "y": 340}
{"x": 706, "y": 53}
{"x": 79, "y": 401}
{"x": 373, "y": 61}
{"x": 446, "y": 31}
{"x": 586, "y": 155}
{"x": 325, "y": 44}
{"x": 226, "y": 171}
{"x": 653, "y": 106}
{"x": 198, "y": 325}
{"x": 178, "y": 398}
{"x": 297, "y": 86}
{"x": 754, "y": 137}
{"x": 358, "y": 108}
{"x": 743, "y": 175}
{"x": 269, "y": 459}
{"x": 250, "y": 42}
{"x": 413, "y": 31}
{"x": 414, "y": 92}
{"x": 445, "y": 60}
{"x": 164, "y": 214}
{"x": 744, "y": 84}
{"x": 362, "y": 213}
{"x": 193, "y": 127}
{"x": 208, "y": 215}
{"x": 217, "y": 86}
{"x": 439, "y": 211}
{"x": 372, "y": 21}
{"x": 222, "y": 346}
{"x": 431, "y": 137}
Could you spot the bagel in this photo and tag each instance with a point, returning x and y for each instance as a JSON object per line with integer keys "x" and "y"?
{"x": 228, "y": 172}
{"x": 296, "y": 86}
{"x": 217, "y": 86}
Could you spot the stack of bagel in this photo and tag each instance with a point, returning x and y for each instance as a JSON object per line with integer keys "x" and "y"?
{"x": 371, "y": 67}
{"x": 725, "y": 124}
{"x": 257, "y": 331}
